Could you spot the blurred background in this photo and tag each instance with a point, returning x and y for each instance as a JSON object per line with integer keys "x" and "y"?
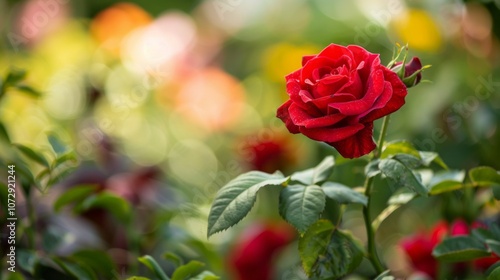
{"x": 166, "y": 101}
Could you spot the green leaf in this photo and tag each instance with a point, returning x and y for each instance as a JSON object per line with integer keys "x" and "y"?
{"x": 76, "y": 270}
{"x": 28, "y": 90}
{"x": 446, "y": 181}
{"x": 205, "y": 275}
{"x": 386, "y": 275}
{"x": 496, "y": 192}
{"x": 56, "y": 144}
{"x": 495, "y": 274}
{"x": 459, "y": 249}
{"x": 119, "y": 207}
{"x": 343, "y": 254}
{"x": 14, "y": 76}
{"x": 4, "y": 134}
{"x": 494, "y": 246}
{"x": 59, "y": 173}
{"x": 317, "y": 174}
{"x": 314, "y": 242}
{"x": 69, "y": 158}
{"x": 138, "y": 278}
{"x": 343, "y": 194}
{"x": 28, "y": 260}
{"x": 236, "y": 199}
{"x": 371, "y": 169}
{"x": 188, "y": 270}
{"x": 484, "y": 176}
{"x": 402, "y": 176}
{"x": 153, "y": 266}
{"x": 411, "y": 162}
{"x": 395, "y": 202}
{"x": 176, "y": 260}
{"x": 96, "y": 260}
{"x": 30, "y": 153}
{"x": 429, "y": 157}
{"x": 75, "y": 194}
{"x": 301, "y": 205}
{"x": 399, "y": 147}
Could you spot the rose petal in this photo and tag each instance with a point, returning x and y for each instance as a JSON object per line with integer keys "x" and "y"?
{"x": 337, "y": 51}
{"x": 313, "y": 64}
{"x": 331, "y": 134}
{"x": 284, "y": 115}
{"x": 397, "y": 100}
{"x": 375, "y": 88}
{"x": 358, "y": 145}
{"x": 306, "y": 58}
{"x": 381, "y": 101}
{"x": 301, "y": 118}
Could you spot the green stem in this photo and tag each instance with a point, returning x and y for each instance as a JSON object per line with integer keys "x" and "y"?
{"x": 370, "y": 233}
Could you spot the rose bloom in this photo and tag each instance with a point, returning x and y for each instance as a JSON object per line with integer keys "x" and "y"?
{"x": 336, "y": 96}
{"x": 419, "y": 248}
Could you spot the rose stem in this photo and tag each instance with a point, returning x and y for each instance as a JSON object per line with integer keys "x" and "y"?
{"x": 372, "y": 250}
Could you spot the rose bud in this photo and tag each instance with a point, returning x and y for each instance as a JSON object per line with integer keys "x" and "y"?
{"x": 411, "y": 74}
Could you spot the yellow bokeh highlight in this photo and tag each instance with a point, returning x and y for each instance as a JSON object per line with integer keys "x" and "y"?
{"x": 281, "y": 59}
{"x": 419, "y": 30}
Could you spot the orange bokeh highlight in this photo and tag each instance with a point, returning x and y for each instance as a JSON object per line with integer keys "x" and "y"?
{"x": 111, "y": 25}
{"x": 211, "y": 98}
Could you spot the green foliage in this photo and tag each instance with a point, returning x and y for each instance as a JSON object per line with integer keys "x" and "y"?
{"x": 343, "y": 194}
{"x": 116, "y": 205}
{"x": 31, "y": 154}
{"x": 150, "y": 263}
{"x": 343, "y": 254}
{"x": 460, "y": 248}
{"x": 301, "y": 205}
{"x": 314, "y": 242}
{"x": 484, "y": 176}
{"x": 316, "y": 175}
{"x": 236, "y": 199}
{"x": 446, "y": 181}
{"x": 402, "y": 176}
{"x": 185, "y": 272}
{"x": 495, "y": 274}
{"x": 75, "y": 194}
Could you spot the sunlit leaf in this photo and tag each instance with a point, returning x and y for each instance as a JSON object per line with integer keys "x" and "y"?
{"x": 3, "y": 133}
{"x": 28, "y": 90}
{"x": 314, "y": 242}
{"x": 205, "y": 275}
{"x": 30, "y": 153}
{"x": 446, "y": 181}
{"x": 153, "y": 266}
{"x": 386, "y": 275}
{"x": 459, "y": 249}
{"x": 317, "y": 174}
{"x": 175, "y": 259}
{"x": 301, "y": 205}
{"x": 429, "y": 157}
{"x": 188, "y": 270}
{"x": 236, "y": 199}
{"x": 14, "y": 76}
{"x": 484, "y": 176}
{"x": 494, "y": 246}
{"x": 343, "y": 194}
{"x": 399, "y": 147}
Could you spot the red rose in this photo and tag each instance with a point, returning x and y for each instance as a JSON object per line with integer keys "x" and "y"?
{"x": 253, "y": 255}
{"x": 336, "y": 96}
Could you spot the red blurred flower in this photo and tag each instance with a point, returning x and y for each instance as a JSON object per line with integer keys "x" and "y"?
{"x": 419, "y": 247}
{"x": 267, "y": 155}
{"x": 252, "y": 256}
{"x": 336, "y": 96}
